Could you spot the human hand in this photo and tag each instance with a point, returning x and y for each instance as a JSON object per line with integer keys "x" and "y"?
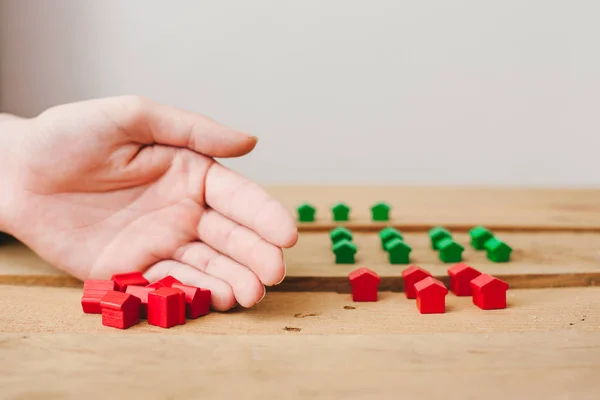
{"x": 121, "y": 184}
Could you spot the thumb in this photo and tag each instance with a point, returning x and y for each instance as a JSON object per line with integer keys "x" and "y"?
{"x": 156, "y": 123}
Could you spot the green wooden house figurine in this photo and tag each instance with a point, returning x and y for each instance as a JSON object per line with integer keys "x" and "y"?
{"x": 380, "y": 212}
{"x": 450, "y": 251}
{"x": 438, "y": 234}
{"x": 306, "y": 213}
{"x": 387, "y": 234}
{"x": 497, "y": 250}
{"x": 398, "y": 251}
{"x": 344, "y": 251}
{"x": 340, "y": 233}
{"x": 480, "y": 235}
{"x": 341, "y": 212}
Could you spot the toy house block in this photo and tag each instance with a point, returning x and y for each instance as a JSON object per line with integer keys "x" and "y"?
{"x": 93, "y": 292}
{"x": 168, "y": 281}
{"x": 411, "y": 276}
{"x": 398, "y": 251}
{"x": 166, "y": 307}
{"x": 364, "y": 284}
{"x": 479, "y": 235}
{"x": 130, "y": 278}
{"x": 340, "y": 233}
{"x": 497, "y": 250}
{"x": 120, "y": 310}
{"x": 156, "y": 285}
{"x": 344, "y": 251}
{"x": 489, "y": 293}
{"x": 197, "y": 300}
{"x": 461, "y": 276}
{"x": 341, "y": 212}
{"x": 431, "y": 296}
{"x": 438, "y": 234}
{"x": 380, "y": 212}
{"x": 306, "y": 213}
{"x": 141, "y": 292}
{"x": 387, "y": 234}
{"x": 450, "y": 251}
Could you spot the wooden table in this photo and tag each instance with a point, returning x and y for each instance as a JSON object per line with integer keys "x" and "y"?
{"x": 307, "y": 339}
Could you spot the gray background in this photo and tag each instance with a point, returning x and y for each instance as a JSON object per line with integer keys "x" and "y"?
{"x": 404, "y": 92}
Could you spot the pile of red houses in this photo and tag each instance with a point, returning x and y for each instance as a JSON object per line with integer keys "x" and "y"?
{"x": 127, "y": 298}
{"x": 488, "y": 292}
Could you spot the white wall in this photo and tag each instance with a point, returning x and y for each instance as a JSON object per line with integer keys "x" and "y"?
{"x": 385, "y": 91}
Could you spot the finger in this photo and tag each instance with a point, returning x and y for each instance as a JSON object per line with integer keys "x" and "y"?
{"x": 247, "y": 288}
{"x": 171, "y": 126}
{"x": 246, "y": 203}
{"x": 242, "y": 245}
{"x": 222, "y": 297}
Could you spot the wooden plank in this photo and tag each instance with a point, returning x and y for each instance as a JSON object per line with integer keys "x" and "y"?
{"x": 549, "y": 365}
{"x": 458, "y": 208}
{"x": 543, "y": 259}
{"x": 58, "y": 310}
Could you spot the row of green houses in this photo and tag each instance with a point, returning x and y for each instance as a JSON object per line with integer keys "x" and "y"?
{"x": 341, "y": 212}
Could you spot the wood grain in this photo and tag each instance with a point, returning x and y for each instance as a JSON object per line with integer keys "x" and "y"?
{"x": 298, "y": 345}
{"x": 542, "y": 259}
{"x": 457, "y": 208}
{"x": 58, "y": 310}
{"x": 556, "y": 365}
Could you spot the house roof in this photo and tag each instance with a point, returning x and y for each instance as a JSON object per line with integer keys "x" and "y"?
{"x": 397, "y": 244}
{"x": 191, "y": 292}
{"x": 449, "y": 243}
{"x": 414, "y": 270}
{"x": 340, "y": 231}
{"x": 462, "y": 269}
{"x": 365, "y": 274}
{"x": 479, "y": 231}
{"x": 486, "y": 283}
{"x": 344, "y": 245}
{"x": 380, "y": 206}
{"x": 340, "y": 206}
{"x": 438, "y": 231}
{"x": 495, "y": 244}
{"x": 141, "y": 292}
{"x": 430, "y": 285}
{"x": 118, "y": 301}
{"x": 388, "y": 232}
{"x": 306, "y": 207}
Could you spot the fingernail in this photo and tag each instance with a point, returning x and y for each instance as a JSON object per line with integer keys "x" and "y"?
{"x": 263, "y": 296}
{"x": 284, "y": 272}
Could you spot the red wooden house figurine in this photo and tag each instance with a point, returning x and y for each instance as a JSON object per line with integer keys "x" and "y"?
{"x": 93, "y": 292}
{"x": 120, "y": 310}
{"x": 461, "y": 276}
{"x": 412, "y": 275}
{"x": 364, "y": 284}
{"x": 489, "y": 293}
{"x": 166, "y": 307}
{"x": 141, "y": 292}
{"x": 129, "y": 278}
{"x": 197, "y": 301}
{"x": 431, "y": 296}
{"x": 167, "y": 281}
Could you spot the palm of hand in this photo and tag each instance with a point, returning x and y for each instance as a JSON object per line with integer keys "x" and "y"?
{"x": 103, "y": 196}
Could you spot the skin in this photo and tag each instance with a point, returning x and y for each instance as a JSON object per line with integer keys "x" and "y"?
{"x": 126, "y": 184}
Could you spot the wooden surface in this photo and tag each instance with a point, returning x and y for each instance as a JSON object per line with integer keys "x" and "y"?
{"x": 419, "y": 208}
{"x": 298, "y": 345}
{"x": 307, "y": 341}
{"x": 542, "y": 259}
